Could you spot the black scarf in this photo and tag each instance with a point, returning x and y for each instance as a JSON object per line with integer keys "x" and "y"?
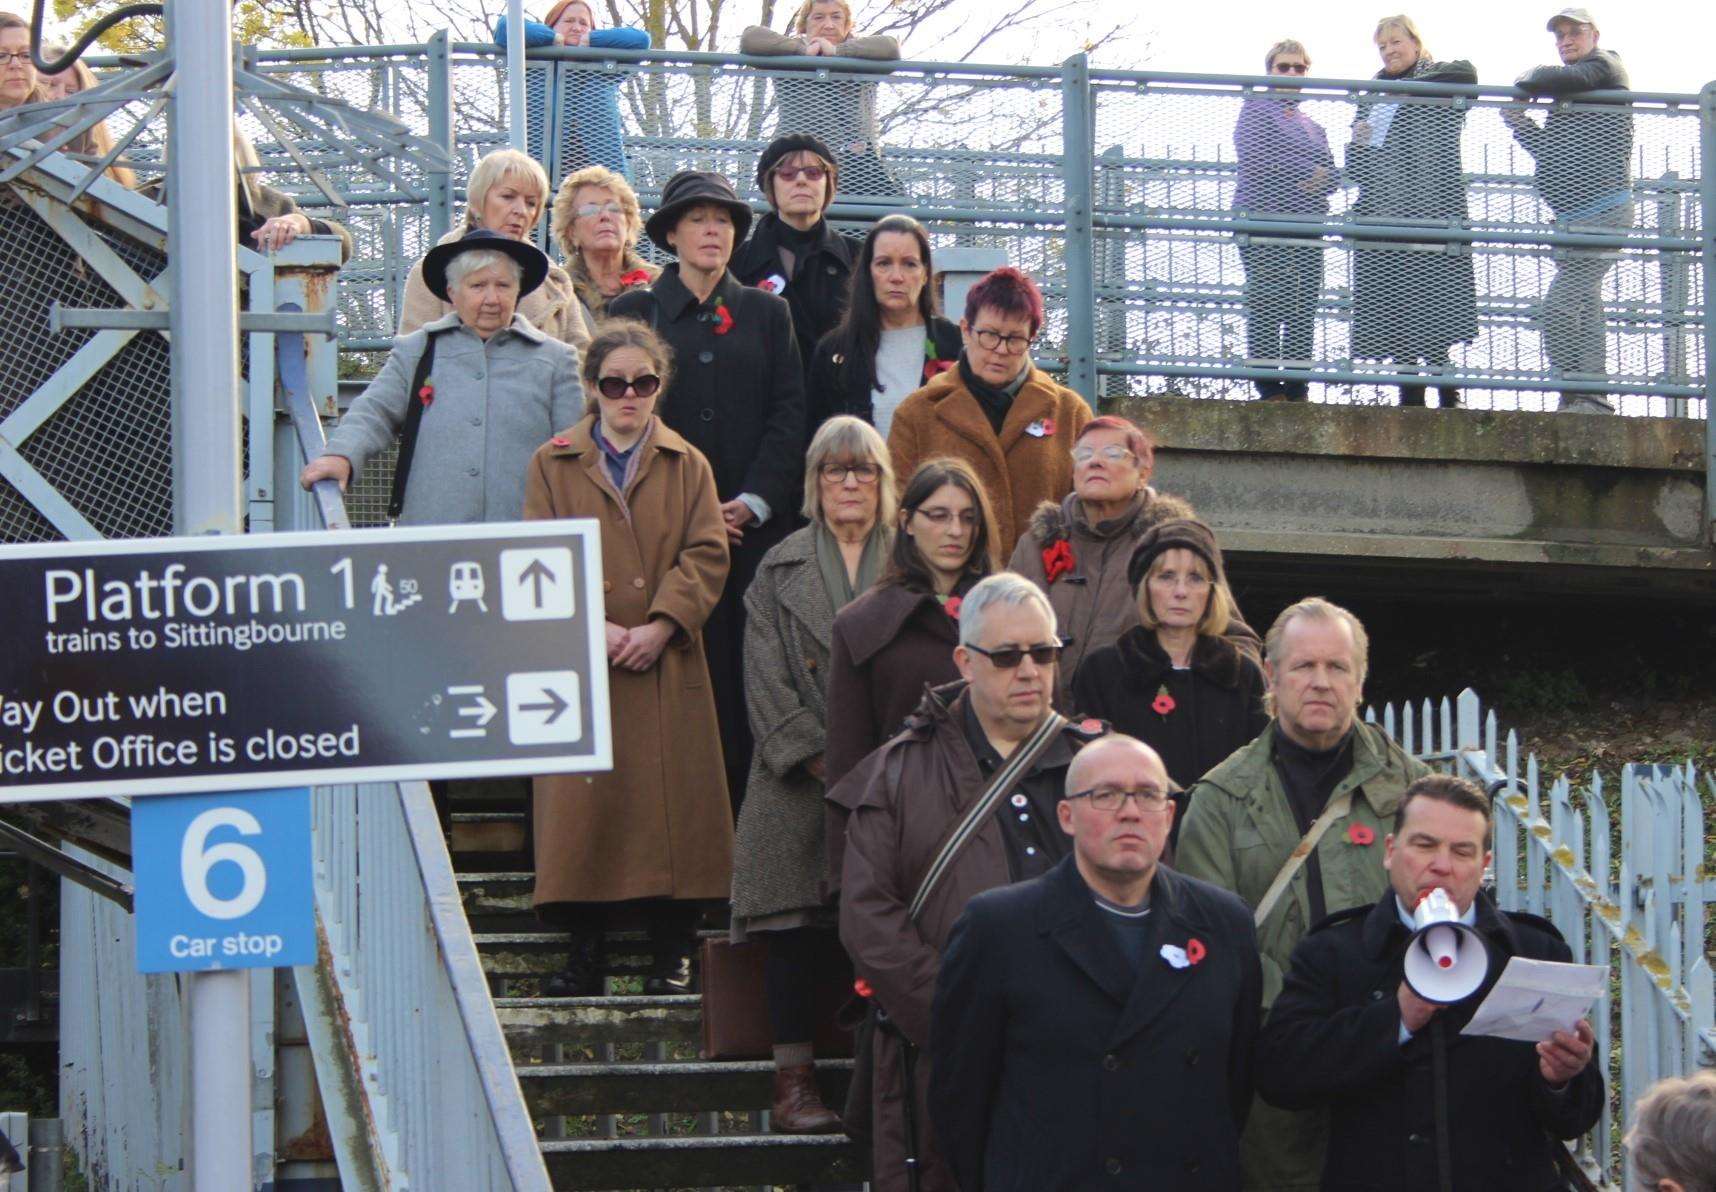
{"x": 995, "y": 401}
{"x": 801, "y": 245}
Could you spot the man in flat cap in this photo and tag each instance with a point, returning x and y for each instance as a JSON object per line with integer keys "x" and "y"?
{"x": 1584, "y": 173}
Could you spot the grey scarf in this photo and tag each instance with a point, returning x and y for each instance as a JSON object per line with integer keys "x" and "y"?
{"x": 841, "y": 589}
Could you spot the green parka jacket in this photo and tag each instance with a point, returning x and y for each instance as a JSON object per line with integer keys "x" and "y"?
{"x": 1238, "y": 833}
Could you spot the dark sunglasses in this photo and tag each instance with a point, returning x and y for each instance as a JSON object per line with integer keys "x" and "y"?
{"x": 615, "y": 388}
{"x": 1298, "y": 68}
{"x": 811, "y": 173}
{"x": 1009, "y": 657}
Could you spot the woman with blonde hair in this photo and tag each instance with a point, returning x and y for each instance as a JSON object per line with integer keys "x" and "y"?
{"x": 507, "y": 194}
{"x": 596, "y": 223}
{"x": 779, "y": 854}
{"x": 1177, "y": 681}
{"x": 73, "y": 79}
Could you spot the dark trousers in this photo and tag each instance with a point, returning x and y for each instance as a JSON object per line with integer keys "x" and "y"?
{"x": 789, "y": 981}
{"x": 1282, "y": 283}
{"x": 671, "y": 923}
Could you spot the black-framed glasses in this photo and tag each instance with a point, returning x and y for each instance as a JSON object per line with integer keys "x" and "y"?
{"x": 809, "y": 173}
{"x": 994, "y": 341}
{"x": 1109, "y": 798}
{"x": 19, "y": 58}
{"x": 837, "y": 473}
{"x": 1009, "y": 657}
{"x": 614, "y": 388}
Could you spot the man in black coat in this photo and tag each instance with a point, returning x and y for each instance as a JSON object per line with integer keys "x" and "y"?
{"x": 1093, "y": 1027}
{"x": 792, "y": 250}
{"x": 1414, "y": 1104}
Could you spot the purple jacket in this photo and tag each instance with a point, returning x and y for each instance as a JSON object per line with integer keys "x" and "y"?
{"x": 1279, "y": 147}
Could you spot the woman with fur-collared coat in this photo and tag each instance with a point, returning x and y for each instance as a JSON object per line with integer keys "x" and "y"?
{"x": 997, "y": 411}
{"x": 656, "y": 829}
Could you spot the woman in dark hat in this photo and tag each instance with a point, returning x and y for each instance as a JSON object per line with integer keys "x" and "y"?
{"x": 739, "y": 399}
{"x": 792, "y": 250}
{"x": 1177, "y": 681}
{"x": 492, "y": 391}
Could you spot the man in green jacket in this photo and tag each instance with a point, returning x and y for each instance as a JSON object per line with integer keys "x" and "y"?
{"x": 1315, "y": 767}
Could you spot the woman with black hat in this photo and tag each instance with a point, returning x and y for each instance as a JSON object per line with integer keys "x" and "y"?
{"x": 792, "y": 250}
{"x": 475, "y": 392}
{"x": 1177, "y": 681}
{"x": 739, "y": 399}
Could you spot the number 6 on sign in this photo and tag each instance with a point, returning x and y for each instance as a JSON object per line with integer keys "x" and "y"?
{"x": 195, "y": 861}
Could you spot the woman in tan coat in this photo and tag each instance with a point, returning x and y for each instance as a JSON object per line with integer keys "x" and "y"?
{"x": 656, "y": 830}
{"x": 997, "y": 411}
{"x": 508, "y": 193}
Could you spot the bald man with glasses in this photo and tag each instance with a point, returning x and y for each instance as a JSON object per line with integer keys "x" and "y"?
{"x": 1093, "y": 1027}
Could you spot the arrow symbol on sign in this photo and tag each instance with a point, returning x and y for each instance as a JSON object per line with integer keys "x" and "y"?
{"x": 537, "y": 574}
{"x": 554, "y": 707}
{"x": 482, "y": 711}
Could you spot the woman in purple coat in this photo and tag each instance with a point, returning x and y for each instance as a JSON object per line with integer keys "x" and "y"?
{"x": 1285, "y": 169}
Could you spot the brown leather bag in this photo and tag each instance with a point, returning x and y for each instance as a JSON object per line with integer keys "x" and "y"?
{"x": 736, "y": 1007}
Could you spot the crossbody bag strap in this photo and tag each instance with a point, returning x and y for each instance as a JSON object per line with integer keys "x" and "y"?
{"x": 1011, "y": 773}
{"x": 1336, "y": 809}
{"x": 408, "y": 432}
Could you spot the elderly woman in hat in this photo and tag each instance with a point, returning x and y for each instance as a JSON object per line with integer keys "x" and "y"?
{"x": 792, "y": 250}
{"x": 739, "y": 399}
{"x": 507, "y": 195}
{"x": 590, "y": 128}
{"x": 475, "y": 392}
{"x": 1178, "y": 681}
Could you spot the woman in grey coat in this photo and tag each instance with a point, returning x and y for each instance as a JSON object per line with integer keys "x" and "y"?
{"x": 778, "y": 853}
{"x": 496, "y": 391}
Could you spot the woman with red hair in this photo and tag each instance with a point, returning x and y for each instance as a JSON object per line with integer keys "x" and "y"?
{"x": 997, "y": 411}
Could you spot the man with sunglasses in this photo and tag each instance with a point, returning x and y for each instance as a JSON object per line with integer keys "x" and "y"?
{"x": 792, "y": 250}
{"x": 1094, "y": 1026}
{"x": 973, "y": 743}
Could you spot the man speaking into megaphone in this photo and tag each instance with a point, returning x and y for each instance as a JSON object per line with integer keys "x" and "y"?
{"x": 1368, "y": 1023}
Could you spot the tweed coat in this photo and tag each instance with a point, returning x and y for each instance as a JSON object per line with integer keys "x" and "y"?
{"x": 1019, "y": 469}
{"x": 495, "y": 402}
{"x": 1094, "y": 603}
{"x": 778, "y": 854}
{"x": 658, "y": 824}
{"x": 552, "y": 307}
{"x": 1238, "y": 833}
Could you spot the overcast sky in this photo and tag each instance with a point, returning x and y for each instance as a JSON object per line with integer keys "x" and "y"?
{"x": 1666, "y": 46}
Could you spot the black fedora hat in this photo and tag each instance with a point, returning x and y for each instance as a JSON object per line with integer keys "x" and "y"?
{"x": 532, "y": 262}
{"x": 688, "y": 189}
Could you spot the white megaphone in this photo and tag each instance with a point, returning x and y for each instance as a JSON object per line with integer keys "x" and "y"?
{"x": 1446, "y": 961}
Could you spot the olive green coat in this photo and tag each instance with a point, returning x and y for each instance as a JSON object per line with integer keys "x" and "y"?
{"x": 1238, "y": 833}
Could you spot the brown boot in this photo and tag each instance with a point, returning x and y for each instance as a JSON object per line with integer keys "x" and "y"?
{"x": 798, "y": 1107}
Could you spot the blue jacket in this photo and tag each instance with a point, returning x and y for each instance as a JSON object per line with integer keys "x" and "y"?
{"x": 585, "y": 101}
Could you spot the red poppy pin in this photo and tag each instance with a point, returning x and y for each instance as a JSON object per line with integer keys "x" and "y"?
{"x": 1042, "y": 428}
{"x": 1195, "y": 950}
{"x": 723, "y": 317}
{"x": 952, "y": 606}
{"x": 561, "y": 441}
{"x": 772, "y": 284}
{"x": 426, "y": 395}
{"x": 934, "y": 368}
{"x": 1058, "y": 560}
{"x": 1163, "y": 703}
{"x": 1361, "y": 835}
{"x": 861, "y": 987}
{"x": 636, "y": 277}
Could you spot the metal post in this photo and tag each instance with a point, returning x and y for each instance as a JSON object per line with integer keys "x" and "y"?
{"x": 1707, "y": 235}
{"x": 1078, "y": 167}
{"x": 441, "y": 132}
{"x": 517, "y": 119}
{"x": 208, "y": 499}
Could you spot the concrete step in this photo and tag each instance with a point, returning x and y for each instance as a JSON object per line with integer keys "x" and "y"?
{"x": 532, "y": 1022}
{"x": 575, "y": 1089}
{"x": 498, "y": 902}
{"x": 541, "y": 953}
{"x": 728, "y": 1161}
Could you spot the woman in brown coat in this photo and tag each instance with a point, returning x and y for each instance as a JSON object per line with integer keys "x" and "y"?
{"x": 1076, "y": 548}
{"x": 997, "y": 411}
{"x": 657, "y": 828}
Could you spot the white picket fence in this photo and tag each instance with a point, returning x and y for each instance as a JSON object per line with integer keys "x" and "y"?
{"x": 1634, "y": 901}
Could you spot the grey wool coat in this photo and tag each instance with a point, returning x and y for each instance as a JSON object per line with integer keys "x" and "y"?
{"x": 494, "y": 403}
{"x": 778, "y": 858}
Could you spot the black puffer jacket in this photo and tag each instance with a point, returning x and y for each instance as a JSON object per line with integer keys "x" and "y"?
{"x": 1584, "y": 151}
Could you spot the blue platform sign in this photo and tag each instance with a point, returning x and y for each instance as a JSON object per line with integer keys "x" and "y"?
{"x": 223, "y": 881}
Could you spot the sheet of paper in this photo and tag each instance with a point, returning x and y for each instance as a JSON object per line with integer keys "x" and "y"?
{"x": 1535, "y": 998}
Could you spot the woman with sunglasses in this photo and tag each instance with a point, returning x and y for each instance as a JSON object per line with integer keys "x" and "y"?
{"x": 1182, "y": 680}
{"x": 1077, "y": 548}
{"x": 1285, "y": 170}
{"x": 778, "y": 855}
{"x": 792, "y": 250}
{"x": 655, "y": 832}
{"x": 997, "y": 411}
